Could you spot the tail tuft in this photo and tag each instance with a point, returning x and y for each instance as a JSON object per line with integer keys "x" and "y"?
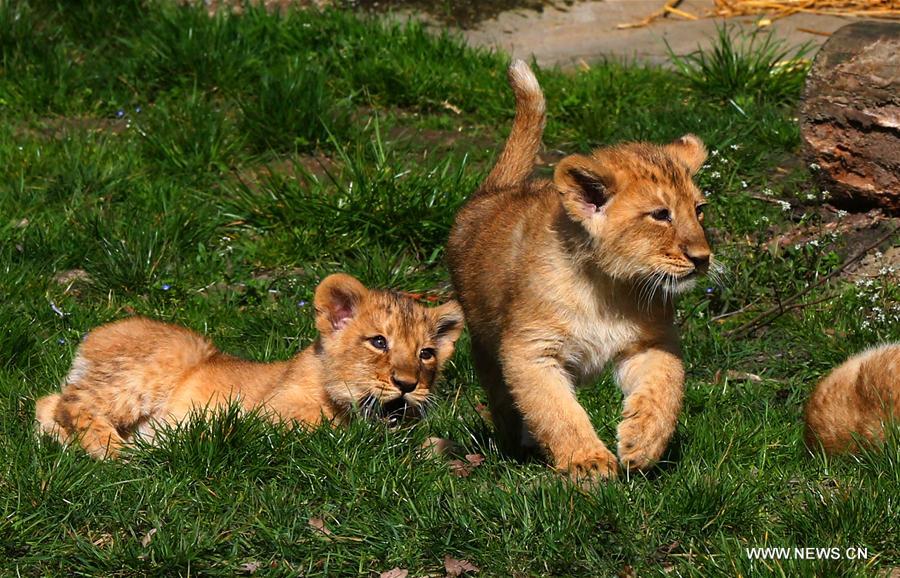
{"x": 516, "y": 161}
{"x": 525, "y": 85}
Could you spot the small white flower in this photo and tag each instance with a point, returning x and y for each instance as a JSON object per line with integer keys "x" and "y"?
{"x": 735, "y": 147}
{"x": 842, "y": 213}
{"x": 744, "y": 184}
{"x": 814, "y": 166}
{"x": 810, "y": 197}
{"x": 785, "y": 206}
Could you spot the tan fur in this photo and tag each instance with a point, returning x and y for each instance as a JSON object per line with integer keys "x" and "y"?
{"x": 855, "y": 401}
{"x": 558, "y": 278}
{"x": 130, "y": 375}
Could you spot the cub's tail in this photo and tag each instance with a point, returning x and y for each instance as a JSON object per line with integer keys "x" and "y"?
{"x": 516, "y": 161}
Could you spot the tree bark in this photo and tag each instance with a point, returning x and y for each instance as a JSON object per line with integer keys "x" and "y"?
{"x": 850, "y": 116}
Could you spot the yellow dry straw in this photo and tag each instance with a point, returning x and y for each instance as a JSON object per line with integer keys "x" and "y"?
{"x": 774, "y": 9}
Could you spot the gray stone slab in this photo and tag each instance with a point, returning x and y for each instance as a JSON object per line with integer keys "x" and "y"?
{"x": 587, "y": 31}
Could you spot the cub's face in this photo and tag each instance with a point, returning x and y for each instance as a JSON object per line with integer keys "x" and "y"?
{"x": 641, "y": 211}
{"x": 383, "y": 351}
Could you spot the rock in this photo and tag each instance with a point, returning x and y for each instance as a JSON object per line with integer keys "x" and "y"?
{"x": 850, "y": 116}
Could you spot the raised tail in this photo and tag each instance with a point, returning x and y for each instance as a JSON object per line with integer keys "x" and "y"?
{"x": 516, "y": 161}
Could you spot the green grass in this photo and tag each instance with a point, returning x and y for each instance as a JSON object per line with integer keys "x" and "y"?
{"x": 209, "y": 171}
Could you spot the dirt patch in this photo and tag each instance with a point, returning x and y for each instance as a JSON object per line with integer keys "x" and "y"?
{"x": 58, "y": 127}
{"x": 847, "y": 234}
{"x": 878, "y": 264}
{"x": 841, "y": 223}
{"x": 463, "y": 14}
{"x": 296, "y": 168}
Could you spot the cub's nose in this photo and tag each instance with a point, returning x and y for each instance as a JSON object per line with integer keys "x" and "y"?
{"x": 404, "y": 383}
{"x": 699, "y": 259}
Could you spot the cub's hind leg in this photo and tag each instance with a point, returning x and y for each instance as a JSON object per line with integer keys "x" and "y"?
{"x": 45, "y": 414}
{"x": 507, "y": 420}
{"x": 82, "y": 418}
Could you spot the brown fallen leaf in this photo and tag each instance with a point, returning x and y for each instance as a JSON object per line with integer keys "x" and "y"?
{"x": 483, "y": 411}
{"x": 395, "y": 573}
{"x": 456, "y": 567}
{"x": 475, "y": 459}
{"x": 148, "y": 537}
{"x": 464, "y": 468}
{"x": 318, "y": 524}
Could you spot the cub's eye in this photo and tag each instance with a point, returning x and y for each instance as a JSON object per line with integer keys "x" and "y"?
{"x": 700, "y": 211}
{"x": 426, "y": 354}
{"x": 379, "y": 342}
{"x": 662, "y": 215}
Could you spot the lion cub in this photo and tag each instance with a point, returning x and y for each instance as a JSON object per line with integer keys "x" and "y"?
{"x": 379, "y": 351}
{"x": 855, "y": 399}
{"x": 559, "y": 277}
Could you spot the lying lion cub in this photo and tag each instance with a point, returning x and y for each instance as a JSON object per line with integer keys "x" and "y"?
{"x": 855, "y": 401}
{"x": 559, "y": 277}
{"x": 378, "y": 351}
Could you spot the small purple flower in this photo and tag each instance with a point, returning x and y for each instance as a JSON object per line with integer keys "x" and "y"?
{"x": 61, "y": 341}
{"x": 120, "y": 113}
{"x": 301, "y": 303}
{"x": 166, "y": 287}
{"x": 137, "y": 109}
{"x": 710, "y": 290}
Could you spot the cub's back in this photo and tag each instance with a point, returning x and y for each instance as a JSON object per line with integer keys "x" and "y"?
{"x": 139, "y": 341}
{"x": 491, "y": 241}
{"x": 137, "y": 354}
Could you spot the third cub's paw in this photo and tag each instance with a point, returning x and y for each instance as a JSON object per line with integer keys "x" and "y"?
{"x": 642, "y": 441}
{"x": 589, "y": 469}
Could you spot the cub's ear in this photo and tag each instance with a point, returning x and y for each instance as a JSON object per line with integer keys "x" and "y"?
{"x": 337, "y": 301}
{"x": 690, "y": 150}
{"x": 585, "y": 186}
{"x": 448, "y": 325}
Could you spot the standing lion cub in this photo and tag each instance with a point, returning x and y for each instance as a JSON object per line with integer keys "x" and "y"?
{"x": 379, "y": 351}
{"x": 853, "y": 403}
{"x": 557, "y": 278}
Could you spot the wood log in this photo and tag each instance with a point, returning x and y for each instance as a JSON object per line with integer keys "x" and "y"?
{"x": 850, "y": 116}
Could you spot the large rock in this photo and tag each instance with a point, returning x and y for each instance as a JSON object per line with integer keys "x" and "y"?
{"x": 850, "y": 116}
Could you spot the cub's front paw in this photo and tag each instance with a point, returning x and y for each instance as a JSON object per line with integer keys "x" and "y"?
{"x": 589, "y": 468}
{"x": 642, "y": 440}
